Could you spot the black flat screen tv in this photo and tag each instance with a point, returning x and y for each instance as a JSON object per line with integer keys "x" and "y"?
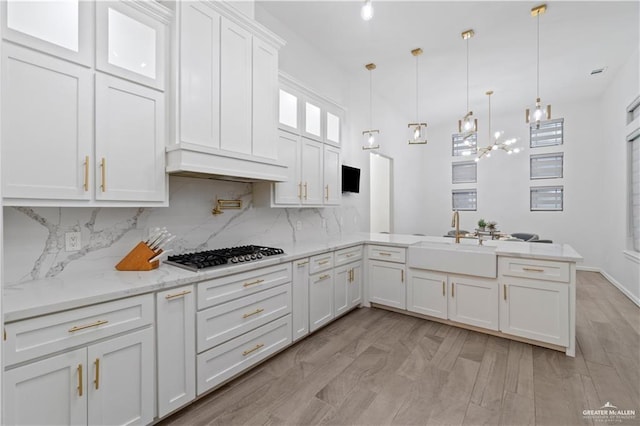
{"x": 350, "y": 179}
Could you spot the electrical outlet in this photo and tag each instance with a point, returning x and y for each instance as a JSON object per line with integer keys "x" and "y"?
{"x": 299, "y": 225}
{"x": 72, "y": 241}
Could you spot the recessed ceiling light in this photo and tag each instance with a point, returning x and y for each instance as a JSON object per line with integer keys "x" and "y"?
{"x": 598, "y": 70}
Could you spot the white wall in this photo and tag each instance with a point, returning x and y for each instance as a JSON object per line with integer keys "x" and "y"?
{"x": 619, "y": 268}
{"x": 380, "y": 205}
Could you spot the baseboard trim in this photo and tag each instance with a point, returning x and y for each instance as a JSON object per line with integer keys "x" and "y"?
{"x": 613, "y": 281}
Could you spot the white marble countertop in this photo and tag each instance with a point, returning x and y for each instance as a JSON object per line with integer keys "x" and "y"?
{"x": 40, "y": 297}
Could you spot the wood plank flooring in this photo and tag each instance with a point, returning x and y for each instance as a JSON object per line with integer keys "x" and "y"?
{"x": 374, "y": 367}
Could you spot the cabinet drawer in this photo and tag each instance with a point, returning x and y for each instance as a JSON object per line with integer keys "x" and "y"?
{"x": 220, "y": 290}
{"x": 225, "y": 361}
{"x": 348, "y": 255}
{"x": 548, "y": 270}
{"x": 390, "y": 254}
{"x": 47, "y": 334}
{"x": 229, "y": 320}
{"x": 321, "y": 262}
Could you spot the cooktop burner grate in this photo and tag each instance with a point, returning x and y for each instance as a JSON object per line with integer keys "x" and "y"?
{"x": 220, "y": 257}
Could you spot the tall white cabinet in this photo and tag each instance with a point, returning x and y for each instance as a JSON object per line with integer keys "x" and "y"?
{"x": 85, "y": 118}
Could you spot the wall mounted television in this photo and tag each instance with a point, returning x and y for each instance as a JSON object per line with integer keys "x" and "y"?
{"x": 350, "y": 179}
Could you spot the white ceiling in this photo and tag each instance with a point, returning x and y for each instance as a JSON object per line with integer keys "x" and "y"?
{"x": 575, "y": 38}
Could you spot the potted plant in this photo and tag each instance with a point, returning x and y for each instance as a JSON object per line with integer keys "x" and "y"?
{"x": 491, "y": 226}
{"x": 482, "y": 225}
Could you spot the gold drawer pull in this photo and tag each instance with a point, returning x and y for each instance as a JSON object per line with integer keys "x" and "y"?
{"x": 453, "y": 292}
{"x": 300, "y": 190}
{"x": 173, "y": 296}
{"x": 103, "y": 171}
{"x": 533, "y": 270}
{"x": 324, "y": 262}
{"x": 504, "y": 292}
{"x": 79, "y": 379}
{"x": 247, "y": 352}
{"x": 327, "y": 192}
{"x": 401, "y": 275}
{"x": 97, "y": 379}
{"x": 350, "y": 254}
{"x": 82, "y": 327}
{"x": 257, "y": 311}
{"x": 443, "y": 288}
{"x": 323, "y": 277}
{"x": 252, "y": 283}
{"x": 384, "y": 254}
{"x": 305, "y": 190}
{"x": 303, "y": 263}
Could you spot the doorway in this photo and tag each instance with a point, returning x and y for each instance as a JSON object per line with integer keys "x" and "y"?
{"x": 381, "y": 193}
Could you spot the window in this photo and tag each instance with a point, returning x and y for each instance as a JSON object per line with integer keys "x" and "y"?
{"x": 549, "y": 133}
{"x": 464, "y": 199}
{"x": 461, "y": 146}
{"x": 546, "y": 166}
{"x": 633, "y": 112}
{"x": 547, "y": 198}
{"x": 464, "y": 172}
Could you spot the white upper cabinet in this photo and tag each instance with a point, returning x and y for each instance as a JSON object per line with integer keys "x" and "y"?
{"x": 265, "y": 104}
{"x": 333, "y": 132}
{"x": 47, "y": 131}
{"x": 332, "y": 175}
{"x": 130, "y": 44}
{"x": 62, "y": 28}
{"x": 288, "y": 111}
{"x": 289, "y": 192}
{"x": 312, "y": 156}
{"x": 312, "y": 121}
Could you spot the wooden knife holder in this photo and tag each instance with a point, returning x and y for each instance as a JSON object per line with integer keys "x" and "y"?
{"x": 138, "y": 259}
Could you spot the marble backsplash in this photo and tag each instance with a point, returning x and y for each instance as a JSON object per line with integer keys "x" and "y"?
{"x": 34, "y": 238}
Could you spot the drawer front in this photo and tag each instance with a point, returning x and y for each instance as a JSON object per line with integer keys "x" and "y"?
{"x": 221, "y": 290}
{"x": 225, "y": 361}
{"x": 229, "y": 320}
{"x": 547, "y": 270}
{"x": 321, "y": 262}
{"x": 348, "y": 255}
{"x": 47, "y": 334}
{"x": 387, "y": 253}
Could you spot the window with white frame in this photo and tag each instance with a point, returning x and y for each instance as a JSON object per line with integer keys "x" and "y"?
{"x": 546, "y": 166}
{"x": 464, "y": 199}
{"x": 633, "y": 139}
{"x": 464, "y": 172}
{"x": 547, "y": 198}
{"x": 463, "y": 146}
{"x": 549, "y": 133}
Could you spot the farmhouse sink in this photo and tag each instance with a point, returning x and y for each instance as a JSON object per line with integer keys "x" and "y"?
{"x": 464, "y": 259}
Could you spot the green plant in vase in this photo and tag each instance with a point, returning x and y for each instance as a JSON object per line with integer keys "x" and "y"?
{"x": 482, "y": 224}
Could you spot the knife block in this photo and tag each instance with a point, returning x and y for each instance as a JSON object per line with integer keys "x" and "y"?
{"x": 138, "y": 259}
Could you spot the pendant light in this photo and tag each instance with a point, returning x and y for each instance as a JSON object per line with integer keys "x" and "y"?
{"x": 366, "y": 13}
{"x": 538, "y": 112}
{"x": 418, "y": 130}
{"x": 468, "y": 124}
{"x": 495, "y": 139}
{"x": 370, "y": 135}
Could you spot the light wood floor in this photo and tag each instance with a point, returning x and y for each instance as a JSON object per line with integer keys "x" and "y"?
{"x": 374, "y": 367}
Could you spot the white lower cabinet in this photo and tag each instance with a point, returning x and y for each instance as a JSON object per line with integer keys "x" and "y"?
{"x": 108, "y": 383}
{"x": 387, "y": 284}
{"x": 473, "y": 301}
{"x": 176, "y": 348}
{"x": 321, "y": 299}
{"x": 347, "y": 288}
{"x": 427, "y": 293}
{"x": 300, "y": 298}
{"x": 354, "y": 289}
{"x": 228, "y": 359}
{"x": 535, "y": 310}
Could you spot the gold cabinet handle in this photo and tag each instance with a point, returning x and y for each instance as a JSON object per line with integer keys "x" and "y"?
{"x": 79, "y": 379}
{"x": 86, "y": 173}
{"x": 323, "y": 277}
{"x": 384, "y": 254}
{"x": 401, "y": 275}
{"x": 173, "y": 296}
{"x": 443, "y": 288}
{"x": 252, "y": 283}
{"x": 303, "y": 263}
{"x": 103, "y": 171}
{"x": 504, "y": 291}
{"x": 256, "y": 312}
{"x": 300, "y": 190}
{"x": 324, "y": 262}
{"x": 96, "y": 381}
{"x": 350, "y": 254}
{"x": 327, "y": 192}
{"x": 533, "y": 270}
{"x": 82, "y": 327}
{"x": 247, "y": 352}
{"x": 452, "y": 290}
{"x": 305, "y": 190}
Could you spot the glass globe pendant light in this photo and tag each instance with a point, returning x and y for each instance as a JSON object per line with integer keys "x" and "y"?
{"x": 418, "y": 130}
{"x": 370, "y": 135}
{"x": 539, "y": 113}
{"x": 468, "y": 124}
